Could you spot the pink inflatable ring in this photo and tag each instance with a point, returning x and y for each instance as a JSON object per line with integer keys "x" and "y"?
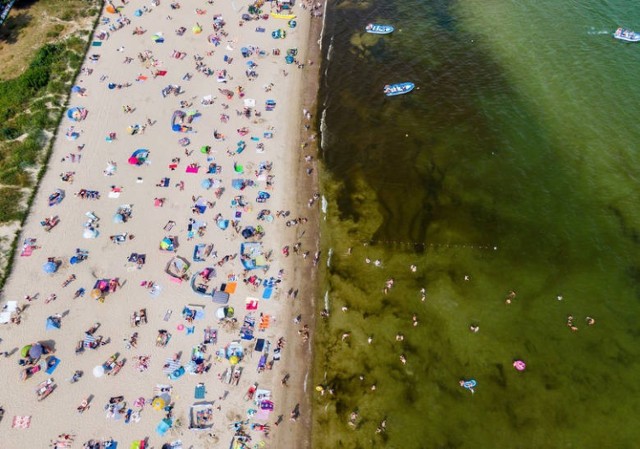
{"x": 519, "y": 365}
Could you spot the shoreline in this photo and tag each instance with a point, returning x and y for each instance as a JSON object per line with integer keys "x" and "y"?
{"x": 26, "y": 276}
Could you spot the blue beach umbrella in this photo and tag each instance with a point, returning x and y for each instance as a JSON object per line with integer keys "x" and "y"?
{"x": 50, "y": 267}
{"x": 206, "y": 183}
{"x": 118, "y": 218}
{"x": 36, "y": 351}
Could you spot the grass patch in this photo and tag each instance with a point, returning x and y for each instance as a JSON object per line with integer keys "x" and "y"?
{"x": 42, "y": 46}
{"x": 10, "y": 204}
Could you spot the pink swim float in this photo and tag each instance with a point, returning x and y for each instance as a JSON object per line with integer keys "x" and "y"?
{"x": 519, "y": 365}
{"x": 180, "y": 327}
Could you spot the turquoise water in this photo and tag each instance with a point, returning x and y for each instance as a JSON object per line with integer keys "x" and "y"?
{"x": 514, "y": 167}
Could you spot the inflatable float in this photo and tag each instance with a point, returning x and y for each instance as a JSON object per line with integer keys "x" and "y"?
{"x": 391, "y": 90}
{"x": 376, "y": 28}
{"x": 283, "y": 16}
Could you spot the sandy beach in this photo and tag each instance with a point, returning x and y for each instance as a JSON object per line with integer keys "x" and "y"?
{"x": 168, "y": 260}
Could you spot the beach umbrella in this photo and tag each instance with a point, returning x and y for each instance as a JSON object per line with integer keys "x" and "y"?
{"x": 206, "y": 183}
{"x": 118, "y": 218}
{"x": 158, "y": 403}
{"x": 197, "y": 29}
{"x": 234, "y": 359}
{"x": 137, "y": 12}
{"x": 25, "y": 350}
{"x": 36, "y": 351}
{"x": 111, "y": 86}
{"x": 95, "y": 293}
{"x": 98, "y": 371}
{"x": 74, "y": 260}
{"x": 50, "y": 267}
{"x": 90, "y": 233}
{"x": 76, "y": 89}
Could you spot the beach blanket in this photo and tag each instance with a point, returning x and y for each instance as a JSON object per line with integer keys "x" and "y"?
{"x": 52, "y": 364}
{"x": 231, "y": 287}
{"x": 252, "y": 304}
{"x": 248, "y": 325}
{"x": 21, "y": 422}
{"x": 265, "y": 322}
{"x": 267, "y": 293}
{"x": 199, "y": 391}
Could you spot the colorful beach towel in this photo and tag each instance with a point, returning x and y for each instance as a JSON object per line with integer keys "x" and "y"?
{"x": 252, "y": 304}
{"x": 231, "y": 287}
{"x": 21, "y": 422}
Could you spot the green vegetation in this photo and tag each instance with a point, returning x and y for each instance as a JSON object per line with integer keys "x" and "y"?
{"x": 32, "y": 104}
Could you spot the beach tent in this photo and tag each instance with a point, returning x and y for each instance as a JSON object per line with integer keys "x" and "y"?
{"x": 178, "y": 268}
{"x": 176, "y": 122}
{"x": 169, "y": 244}
{"x": 77, "y": 114}
{"x": 53, "y": 323}
{"x": 139, "y": 156}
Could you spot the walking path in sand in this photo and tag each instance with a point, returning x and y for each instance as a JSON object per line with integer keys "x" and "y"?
{"x": 154, "y": 264}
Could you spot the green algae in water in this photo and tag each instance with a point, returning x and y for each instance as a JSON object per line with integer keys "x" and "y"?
{"x": 506, "y": 168}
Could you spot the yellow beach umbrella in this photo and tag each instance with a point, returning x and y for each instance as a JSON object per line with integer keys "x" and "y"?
{"x": 95, "y": 293}
{"x": 234, "y": 359}
{"x": 197, "y": 29}
{"x": 158, "y": 403}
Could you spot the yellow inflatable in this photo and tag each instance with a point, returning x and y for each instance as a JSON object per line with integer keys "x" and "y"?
{"x": 283, "y": 16}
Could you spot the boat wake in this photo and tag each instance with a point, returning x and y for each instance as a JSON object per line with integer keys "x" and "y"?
{"x": 598, "y": 32}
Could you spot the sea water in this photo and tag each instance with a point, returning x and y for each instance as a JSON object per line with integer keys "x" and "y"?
{"x": 510, "y": 173}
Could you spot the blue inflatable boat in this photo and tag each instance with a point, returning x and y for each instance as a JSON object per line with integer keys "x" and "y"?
{"x": 391, "y": 90}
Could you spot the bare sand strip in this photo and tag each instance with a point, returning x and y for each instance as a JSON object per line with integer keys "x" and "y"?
{"x": 215, "y": 191}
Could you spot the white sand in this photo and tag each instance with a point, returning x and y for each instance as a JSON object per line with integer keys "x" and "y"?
{"x": 57, "y": 413}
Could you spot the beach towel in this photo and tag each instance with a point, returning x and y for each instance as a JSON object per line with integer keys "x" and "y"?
{"x": 141, "y": 78}
{"x": 265, "y": 321}
{"x": 96, "y": 44}
{"x": 231, "y": 287}
{"x": 27, "y": 251}
{"x": 21, "y": 422}
{"x": 252, "y": 304}
{"x": 210, "y": 336}
{"x": 52, "y": 364}
{"x": 199, "y": 391}
{"x": 267, "y": 293}
{"x": 192, "y": 169}
{"x": 161, "y": 73}
{"x": 167, "y": 315}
